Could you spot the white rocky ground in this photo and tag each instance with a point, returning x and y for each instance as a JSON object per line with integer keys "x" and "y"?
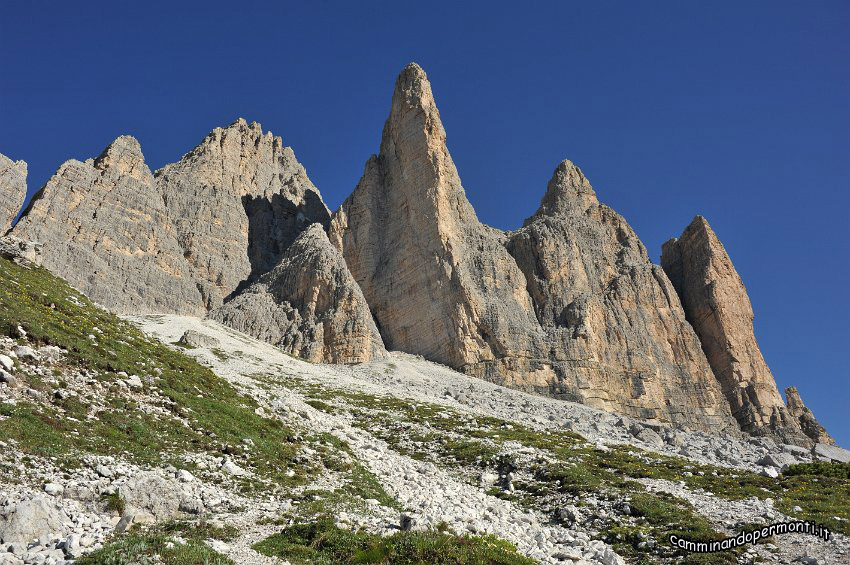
{"x": 430, "y": 494}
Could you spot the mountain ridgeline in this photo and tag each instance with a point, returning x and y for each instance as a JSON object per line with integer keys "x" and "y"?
{"x": 568, "y": 306}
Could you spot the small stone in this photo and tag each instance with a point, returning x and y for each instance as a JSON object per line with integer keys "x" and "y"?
{"x": 104, "y": 471}
{"x": 185, "y": 476}
{"x": 232, "y": 468}
{"x": 53, "y": 489}
{"x": 7, "y": 363}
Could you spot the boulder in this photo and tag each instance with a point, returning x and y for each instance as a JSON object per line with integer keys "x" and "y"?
{"x": 828, "y": 452}
{"x": 29, "y": 519}
{"x": 191, "y": 338}
{"x": 150, "y": 498}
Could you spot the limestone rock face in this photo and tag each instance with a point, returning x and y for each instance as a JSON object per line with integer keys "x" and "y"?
{"x": 439, "y": 283}
{"x": 13, "y": 190}
{"x": 309, "y": 305}
{"x": 238, "y": 200}
{"x": 569, "y": 306}
{"x": 717, "y": 306}
{"x": 618, "y": 336}
{"x": 808, "y": 423}
{"x": 104, "y": 228}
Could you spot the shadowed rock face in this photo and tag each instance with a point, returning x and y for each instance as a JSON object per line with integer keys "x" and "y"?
{"x": 808, "y": 423}
{"x": 309, "y": 305}
{"x": 104, "y": 228}
{"x": 237, "y": 200}
{"x": 617, "y": 333}
{"x": 13, "y": 190}
{"x": 514, "y": 310}
{"x": 717, "y": 306}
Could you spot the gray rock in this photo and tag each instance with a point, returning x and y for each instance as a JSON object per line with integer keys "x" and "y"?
{"x": 105, "y": 228}
{"x": 778, "y": 460}
{"x": 133, "y": 381}
{"x": 650, "y": 437}
{"x": 149, "y": 497}
{"x": 309, "y": 305}
{"x": 22, "y": 252}
{"x": 10, "y": 380}
{"x": 53, "y": 489}
{"x": 32, "y": 518}
{"x": 13, "y": 190}
{"x": 192, "y": 338}
{"x": 7, "y": 363}
{"x": 26, "y": 353}
{"x": 808, "y": 423}
{"x": 831, "y": 453}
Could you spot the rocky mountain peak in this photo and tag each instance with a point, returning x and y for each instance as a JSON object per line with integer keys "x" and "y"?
{"x": 568, "y": 191}
{"x": 124, "y": 157}
{"x": 718, "y": 307}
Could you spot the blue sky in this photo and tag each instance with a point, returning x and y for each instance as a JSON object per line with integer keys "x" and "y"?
{"x": 734, "y": 110}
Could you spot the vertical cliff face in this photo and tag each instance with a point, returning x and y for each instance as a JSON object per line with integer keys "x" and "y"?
{"x": 105, "y": 229}
{"x": 13, "y": 190}
{"x": 717, "y": 306}
{"x": 237, "y": 201}
{"x": 439, "y": 283}
{"x": 618, "y": 335}
{"x": 309, "y": 305}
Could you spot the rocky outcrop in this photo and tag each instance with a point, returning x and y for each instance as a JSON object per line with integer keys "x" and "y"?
{"x": 617, "y": 331}
{"x": 574, "y": 310}
{"x": 13, "y": 190}
{"x": 808, "y": 423}
{"x": 309, "y": 305}
{"x": 237, "y": 200}
{"x": 179, "y": 241}
{"x": 104, "y": 227}
{"x": 717, "y": 306}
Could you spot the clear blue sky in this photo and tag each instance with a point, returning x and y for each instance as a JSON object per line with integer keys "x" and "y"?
{"x": 739, "y": 111}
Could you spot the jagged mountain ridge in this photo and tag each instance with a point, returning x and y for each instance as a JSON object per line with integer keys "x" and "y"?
{"x": 510, "y": 308}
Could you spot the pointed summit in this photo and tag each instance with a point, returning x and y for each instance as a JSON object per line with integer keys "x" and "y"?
{"x": 124, "y": 156}
{"x": 568, "y": 191}
{"x": 717, "y": 306}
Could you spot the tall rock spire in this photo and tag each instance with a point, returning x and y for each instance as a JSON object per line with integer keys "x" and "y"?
{"x": 717, "y": 306}
{"x": 13, "y": 190}
{"x": 439, "y": 283}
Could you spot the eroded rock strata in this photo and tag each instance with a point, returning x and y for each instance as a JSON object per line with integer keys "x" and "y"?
{"x": 13, "y": 190}
{"x": 309, "y": 305}
{"x": 104, "y": 227}
{"x": 718, "y": 307}
{"x": 617, "y": 331}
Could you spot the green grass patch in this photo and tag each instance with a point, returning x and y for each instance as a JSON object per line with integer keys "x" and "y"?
{"x": 154, "y": 548}
{"x": 51, "y": 312}
{"x": 321, "y": 542}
